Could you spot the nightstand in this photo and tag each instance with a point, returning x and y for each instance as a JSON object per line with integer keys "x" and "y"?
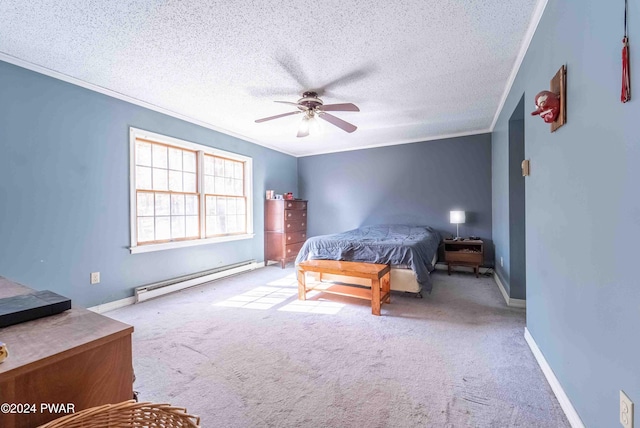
{"x": 464, "y": 252}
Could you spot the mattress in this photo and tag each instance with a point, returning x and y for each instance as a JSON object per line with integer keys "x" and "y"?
{"x": 402, "y": 278}
{"x": 413, "y": 246}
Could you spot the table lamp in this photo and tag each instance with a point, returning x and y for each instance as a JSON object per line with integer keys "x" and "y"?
{"x": 456, "y": 217}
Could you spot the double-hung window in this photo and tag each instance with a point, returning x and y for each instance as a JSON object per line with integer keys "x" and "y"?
{"x": 185, "y": 194}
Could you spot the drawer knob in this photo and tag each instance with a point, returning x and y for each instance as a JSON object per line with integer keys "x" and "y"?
{"x": 302, "y": 224}
{"x": 288, "y": 238}
{"x": 304, "y": 234}
{"x": 288, "y": 214}
{"x": 288, "y": 225}
{"x": 289, "y": 250}
{"x": 304, "y": 214}
{"x": 289, "y": 205}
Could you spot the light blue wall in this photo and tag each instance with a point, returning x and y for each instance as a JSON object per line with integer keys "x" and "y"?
{"x": 415, "y": 183}
{"x": 64, "y": 190}
{"x": 582, "y": 206}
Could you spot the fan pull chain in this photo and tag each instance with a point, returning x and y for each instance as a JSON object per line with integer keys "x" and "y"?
{"x": 625, "y": 94}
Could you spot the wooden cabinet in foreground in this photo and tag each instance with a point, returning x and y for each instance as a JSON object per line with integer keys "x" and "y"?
{"x": 77, "y": 358}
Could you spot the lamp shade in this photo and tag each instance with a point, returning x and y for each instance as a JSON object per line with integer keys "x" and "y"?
{"x": 456, "y": 217}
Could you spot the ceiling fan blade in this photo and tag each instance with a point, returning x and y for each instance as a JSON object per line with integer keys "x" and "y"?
{"x": 345, "y": 126}
{"x": 293, "y": 104}
{"x": 303, "y": 130}
{"x": 339, "y": 107}
{"x": 264, "y": 119}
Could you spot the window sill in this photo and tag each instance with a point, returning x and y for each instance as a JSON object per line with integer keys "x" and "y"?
{"x": 183, "y": 244}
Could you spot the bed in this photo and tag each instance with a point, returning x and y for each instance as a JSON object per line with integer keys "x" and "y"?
{"x": 410, "y": 249}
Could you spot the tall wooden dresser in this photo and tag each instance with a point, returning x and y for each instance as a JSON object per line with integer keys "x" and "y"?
{"x": 285, "y": 229}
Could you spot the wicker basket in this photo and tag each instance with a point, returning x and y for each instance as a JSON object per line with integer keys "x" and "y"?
{"x": 128, "y": 414}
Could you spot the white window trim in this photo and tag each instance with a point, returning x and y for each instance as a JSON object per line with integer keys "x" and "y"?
{"x": 135, "y": 133}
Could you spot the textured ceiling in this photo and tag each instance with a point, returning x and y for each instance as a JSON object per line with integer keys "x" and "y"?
{"x": 418, "y": 69}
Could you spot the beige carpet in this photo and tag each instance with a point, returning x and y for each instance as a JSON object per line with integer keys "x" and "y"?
{"x": 244, "y": 352}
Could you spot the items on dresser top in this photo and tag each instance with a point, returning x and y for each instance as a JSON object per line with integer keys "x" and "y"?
{"x": 27, "y": 307}
{"x": 285, "y": 229}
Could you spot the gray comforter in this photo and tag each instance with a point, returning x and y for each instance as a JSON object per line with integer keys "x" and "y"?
{"x": 398, "y": 245}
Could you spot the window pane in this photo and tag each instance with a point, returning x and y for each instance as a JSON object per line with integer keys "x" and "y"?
{"x": 232, "y": 224}
{"x": 237, "y": 172}
{"x": 145, "y": 204}
{"x": 159, "y": 156}
{"x": 177, "y": 227}
{"x": 189, "y": 161}
{"x": 160, "y": 179}
{"x": 221, "y": 206}
{"x": 192, "y": 226}
{"x": 143, "y": 153}
{"x": 177, "y": 205}
{"x": 219, "y": 167}
{"x": 221, "y": 224}
{"x": 210, "y": 226}
{"x": 219, "y": 188}
{"x": 163, "y": 204}
{"x": 228, "y": 186}
{"x": 175, "y": 159}
{"x": 242, "y": 223}
{"x": 237, "y": 187}
{"x": 228, "y": 168}
{"x": 145, "y": 229}
{"x": 189, "y": 182}
{"x": 208, "y": 165}
{"x": 231, "y": 206}
{"x": 143, "y": 177}
{"x": 210, "y": 205}
{"x": 241, "y": 206}
{"x": 175, "y": 181}
{"x": 191, "y": 207}
{"x": 209, "y": 184}
{"x": 163, "y": 228}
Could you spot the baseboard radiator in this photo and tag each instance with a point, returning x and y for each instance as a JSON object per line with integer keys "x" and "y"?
{"x": 180, "y": 283}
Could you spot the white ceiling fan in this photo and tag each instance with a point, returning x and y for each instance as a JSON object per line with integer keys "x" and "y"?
{"x": 311, "y": 106}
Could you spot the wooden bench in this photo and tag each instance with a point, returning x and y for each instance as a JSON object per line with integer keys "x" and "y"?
{"x": 380, "y": 276}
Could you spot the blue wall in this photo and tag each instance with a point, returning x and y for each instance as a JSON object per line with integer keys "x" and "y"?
{"x": 582, "y": 206}
{"x": 64, "y": 190}
{"x": 410, "y": 183}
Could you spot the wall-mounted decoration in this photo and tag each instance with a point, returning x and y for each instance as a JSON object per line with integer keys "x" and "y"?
{"x": 625, "y": 95}
{"x": 551, "y": 104}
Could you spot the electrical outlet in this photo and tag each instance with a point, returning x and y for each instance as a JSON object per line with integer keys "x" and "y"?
{"x": 626, "y": 410}
{"x": 95, "y": 277}
{"x": 501, "y": 262}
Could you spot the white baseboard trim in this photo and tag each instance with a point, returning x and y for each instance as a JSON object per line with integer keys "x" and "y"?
{"x": 116, "y": 304}
{"x": 514, "y": 303}
{"x": 565, "y": 403}
{"x": 110, "y": 306}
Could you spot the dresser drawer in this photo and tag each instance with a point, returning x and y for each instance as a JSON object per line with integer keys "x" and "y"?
{"x": 295, "y": 215}
{"x": 291, "y": 251}
{"x": 295, "y": 225}
{"x": 463, "y": 257}
{"x": 295, "y": 205}
{"x": 295, "y": 237}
